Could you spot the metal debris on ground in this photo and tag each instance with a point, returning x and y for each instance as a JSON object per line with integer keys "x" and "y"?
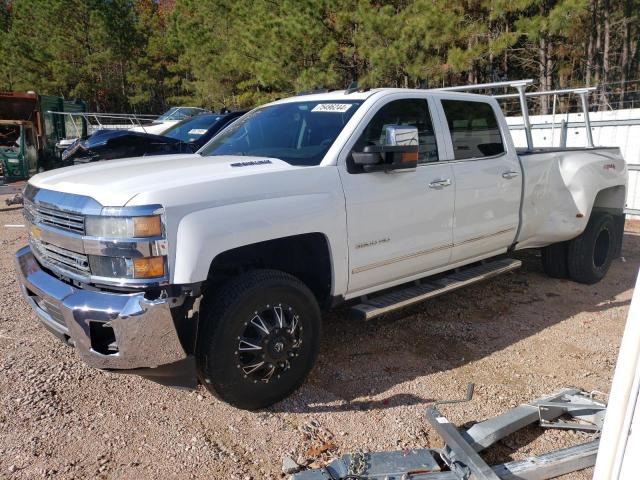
{"x": 15, "y": 200}
{"x": 459, "y": 459}
{"x": 289, "y": 465}
{"x": 321, "y": 447}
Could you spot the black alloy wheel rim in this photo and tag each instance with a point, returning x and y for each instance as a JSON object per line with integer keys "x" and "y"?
{"x": 269, "y": 343}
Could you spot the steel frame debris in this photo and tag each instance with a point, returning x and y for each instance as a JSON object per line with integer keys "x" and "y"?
{"x": 460, "y": 458}
{"x": 94, "y": 118}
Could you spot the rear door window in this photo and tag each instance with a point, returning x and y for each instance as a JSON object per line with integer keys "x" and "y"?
{"x": 474, "y": 129}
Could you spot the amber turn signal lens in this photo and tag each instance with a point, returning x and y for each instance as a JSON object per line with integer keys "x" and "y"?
{"x": 147, "y": 226}
{"x": 409, "y": 157}
{"x": 148, "y": 267}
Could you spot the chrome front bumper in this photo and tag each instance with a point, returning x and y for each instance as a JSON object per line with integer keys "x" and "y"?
{"x": 109, "y": 330}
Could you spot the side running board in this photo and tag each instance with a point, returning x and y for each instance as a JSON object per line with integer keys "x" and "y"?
{"x": 372, "y": 307}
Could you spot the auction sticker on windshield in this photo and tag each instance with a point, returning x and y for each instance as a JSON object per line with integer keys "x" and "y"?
{"x": 197, "y": 131}
{"x": 332, "y": 107}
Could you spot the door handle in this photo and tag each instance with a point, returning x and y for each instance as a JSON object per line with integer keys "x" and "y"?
{"x": 510, "y": 174}
{"x": 442, "y": 182}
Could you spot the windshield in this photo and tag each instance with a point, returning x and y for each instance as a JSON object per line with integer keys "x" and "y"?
{"x": 179, "y": 113}
{"x": 193, "y": 128}
{"x": 9, "y": 136}
{"x": 300, "y": 133}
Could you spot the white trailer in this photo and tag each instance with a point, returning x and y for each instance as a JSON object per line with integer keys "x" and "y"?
{"x": 618, "y": 457}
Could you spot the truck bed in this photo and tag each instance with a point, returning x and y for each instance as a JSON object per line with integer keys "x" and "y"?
{"x": 525, "y": 151}
{"x": 558, "y": 190}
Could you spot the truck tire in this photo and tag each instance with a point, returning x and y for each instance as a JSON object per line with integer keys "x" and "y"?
{"x": 258, "y": 339}
{"x": 589, "y": 255}
{"x": 554, "y": 260}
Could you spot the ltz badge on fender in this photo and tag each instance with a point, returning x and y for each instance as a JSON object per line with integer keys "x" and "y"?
{"x": 372, "y": 243}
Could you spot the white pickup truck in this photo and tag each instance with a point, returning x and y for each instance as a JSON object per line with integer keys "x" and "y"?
{"x": 216, "y": 265}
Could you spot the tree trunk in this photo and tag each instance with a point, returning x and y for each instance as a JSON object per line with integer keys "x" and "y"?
{"x": 624, "y": 58}
{"x": 593, "y": 6}
{"x": 549, "y": 67}
{"x": 637, "y": 64}
{"x": 598, "y": 48}
{"x": 633, "y": 57}
{"x": 605, "y": 54}
{"x": 471, "y": 78}
{"x": 492, "y": 70}
{"x": 542, "y": 72}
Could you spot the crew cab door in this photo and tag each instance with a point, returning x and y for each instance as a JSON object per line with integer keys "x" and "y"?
{"x": 488, "y": 177}
{"x": 399, "y": 223}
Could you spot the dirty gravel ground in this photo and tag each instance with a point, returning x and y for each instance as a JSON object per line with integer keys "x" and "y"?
{"x": 517, "y": 337}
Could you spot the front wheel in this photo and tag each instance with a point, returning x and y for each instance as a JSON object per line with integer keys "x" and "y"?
{"x": 259, "y": 338}
{"x": 589, "y": 256}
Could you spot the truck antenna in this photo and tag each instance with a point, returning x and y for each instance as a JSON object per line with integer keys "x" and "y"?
{"x": 353, "y": 87}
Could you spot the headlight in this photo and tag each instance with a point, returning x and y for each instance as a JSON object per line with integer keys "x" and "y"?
{"x": 117, "y": 258}
{"x": 117, "y": 267}
{"x": 123, "y": 227}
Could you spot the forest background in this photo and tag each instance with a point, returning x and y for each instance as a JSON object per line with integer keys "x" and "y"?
{"x": 146, "y": 55}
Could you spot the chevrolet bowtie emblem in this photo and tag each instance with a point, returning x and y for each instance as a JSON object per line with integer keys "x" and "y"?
{"x": 36, "y": 232}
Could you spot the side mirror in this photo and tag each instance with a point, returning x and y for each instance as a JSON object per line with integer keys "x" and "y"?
{"x": 400, "y": 135}
{"x": 400, "y": 151}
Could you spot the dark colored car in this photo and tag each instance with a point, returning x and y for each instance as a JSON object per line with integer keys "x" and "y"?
{"x": 186, "y": 136}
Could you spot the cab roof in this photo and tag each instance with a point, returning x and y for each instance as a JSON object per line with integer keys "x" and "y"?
{"x": 346, "y": 95}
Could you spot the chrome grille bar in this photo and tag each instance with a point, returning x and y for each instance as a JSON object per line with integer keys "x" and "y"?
{"x": 70, "y": 222}
{"x": 51, "y": 255}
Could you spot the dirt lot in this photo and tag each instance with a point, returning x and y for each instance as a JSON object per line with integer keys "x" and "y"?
{"x": 517, "y": 337}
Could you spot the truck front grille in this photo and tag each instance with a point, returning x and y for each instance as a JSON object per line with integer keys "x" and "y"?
{"x": 64, "y": 259}
{"x": 70, "y": 222}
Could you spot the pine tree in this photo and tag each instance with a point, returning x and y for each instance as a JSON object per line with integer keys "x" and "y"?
{"x": 143, "y": 55}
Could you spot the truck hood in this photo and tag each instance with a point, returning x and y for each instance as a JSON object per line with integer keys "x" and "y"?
{"x": 116, "y": 182}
